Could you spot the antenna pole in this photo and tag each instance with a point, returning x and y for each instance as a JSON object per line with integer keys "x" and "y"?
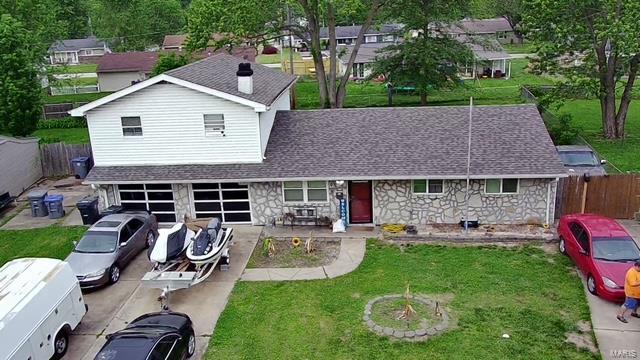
{"x": 467, "y": 195}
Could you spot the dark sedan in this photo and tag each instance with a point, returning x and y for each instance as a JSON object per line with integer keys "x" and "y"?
{"x": 109, "y": 245}
{"x": 163, "y": 335}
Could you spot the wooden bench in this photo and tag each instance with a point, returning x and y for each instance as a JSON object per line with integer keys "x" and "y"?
{"x": 5, "y": 200}
{"x": 301, "y": 214}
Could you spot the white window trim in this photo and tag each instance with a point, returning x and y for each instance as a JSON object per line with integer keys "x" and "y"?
{"x": 305, "y": 194}
{"x": 501, "y": 186}
{"x": 427, "y": 193}
{"x": 122, "y": 127}
{"x": 216, "y": 132}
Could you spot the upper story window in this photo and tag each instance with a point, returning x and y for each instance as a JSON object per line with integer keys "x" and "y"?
{"x": 430, "y": 187}
{"x": 501, "y": 186}
{"x": 213, "y": 124}
{"x": 388, "y": 38}
{"x": 305, "y": 191}
{"x": 131, "y": 126}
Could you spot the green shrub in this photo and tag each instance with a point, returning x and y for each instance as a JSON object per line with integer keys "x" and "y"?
{"x": 63, "y": 123}
{"x": 562, "y": 129}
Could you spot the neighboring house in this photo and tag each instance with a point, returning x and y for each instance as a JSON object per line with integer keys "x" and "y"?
{"x": 77, "y": 51}
{"x": 365, "y": 57}
{"x": 498, "y": 29}
{"x": 178, "y": 44}
{"x": 119, "y": 70}
{"x": 174, "y": 42}
{"x": 215, "y": 138}
{"x": 347, "y": 35}
{"x": 20, "y": 164}
{"x": 490, "y": 60}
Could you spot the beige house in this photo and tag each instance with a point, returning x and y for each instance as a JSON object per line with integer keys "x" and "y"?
{"x": 117, "y": 71}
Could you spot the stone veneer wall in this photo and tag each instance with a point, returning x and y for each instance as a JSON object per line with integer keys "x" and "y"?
{"x": 394, "y": 202}
{"x": 182, "y": 204}
{"x": 106, "y": 196}
{"x": 267, "y": 202}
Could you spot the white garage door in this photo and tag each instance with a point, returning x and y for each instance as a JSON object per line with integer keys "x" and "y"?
{"x": 156, "y": 198}
{"x": 227, "y": 201}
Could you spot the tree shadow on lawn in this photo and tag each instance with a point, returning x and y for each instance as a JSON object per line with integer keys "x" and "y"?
{"x": 496, "y": 291}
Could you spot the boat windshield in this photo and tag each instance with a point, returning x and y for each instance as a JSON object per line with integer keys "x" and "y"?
{"x": 579, "y": 158}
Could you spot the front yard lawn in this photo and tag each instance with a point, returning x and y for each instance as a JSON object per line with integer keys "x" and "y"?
{"x": 532, "y": 296}
{"x": 69, "y": 136}
{"x": 73, "y": 69}
{"x": 624, "y": 154}
{"x": 52, "y": 242}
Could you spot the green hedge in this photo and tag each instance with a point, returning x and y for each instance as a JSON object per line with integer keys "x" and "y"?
{"x": 63, "y": 123}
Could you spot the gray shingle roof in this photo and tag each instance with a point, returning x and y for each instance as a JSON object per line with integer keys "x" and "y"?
{"x": 352, "y": 31}
{"x": 479, "y": 26}
{"x": 218, "y": 72}
{"x": 381, "y": 143}
{"x": 76, "y": 44}
{"x": 366, "y": 54}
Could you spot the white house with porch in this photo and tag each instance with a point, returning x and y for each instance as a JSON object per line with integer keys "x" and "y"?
{"x": 489, "y": 60}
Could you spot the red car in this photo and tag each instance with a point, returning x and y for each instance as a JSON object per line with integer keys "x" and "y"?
{"x": 602, "y": 250}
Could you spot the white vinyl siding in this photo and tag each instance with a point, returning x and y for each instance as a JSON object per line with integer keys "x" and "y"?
{"x": 172, "y": 118}
{"x": 227, "y": 201}
{"x": 267, "y": 118}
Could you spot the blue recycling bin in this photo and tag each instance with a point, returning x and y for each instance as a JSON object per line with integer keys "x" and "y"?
{"x": 54, "y": 205}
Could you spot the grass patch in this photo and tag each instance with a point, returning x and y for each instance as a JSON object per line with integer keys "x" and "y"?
{"x": 73, "y": 69}
{"x": 52, "y": 242}
{"x": 495, "y": 291}
{"x": 484, "y": 92}
{"x": 624, "y": 154}
{"x": 69, "y": 136}
{"x": 526, "y": 48}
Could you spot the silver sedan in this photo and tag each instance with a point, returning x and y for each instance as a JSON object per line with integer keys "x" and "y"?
{"x": 109, "y": 246}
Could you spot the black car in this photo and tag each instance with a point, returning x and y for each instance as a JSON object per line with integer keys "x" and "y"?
{"x": 156, "y": 336}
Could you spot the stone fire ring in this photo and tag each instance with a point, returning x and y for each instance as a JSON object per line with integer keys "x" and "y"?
{"x": 412, "y": 335}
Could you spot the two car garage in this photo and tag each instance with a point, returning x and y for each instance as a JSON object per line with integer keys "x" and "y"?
{"x": 228, "y": 201}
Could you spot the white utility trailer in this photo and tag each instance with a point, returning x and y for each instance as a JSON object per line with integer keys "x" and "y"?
{"x": 40, "y": 304}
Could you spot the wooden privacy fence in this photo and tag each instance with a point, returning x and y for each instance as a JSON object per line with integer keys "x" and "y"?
{"x": 56, "y": 157}
{"x": 615, "y": 196}
{"x": 56, "y": 111}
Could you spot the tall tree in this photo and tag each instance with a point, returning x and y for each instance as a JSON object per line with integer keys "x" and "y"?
{"x": 136, "y": 24}
{"x": 604, "y": 36}
{"x": 41, "y": 17}
{"x": 20, "y": 106}
{"x": 75, "y": 13}
{"x": 428, "y": 60}
{"x": 240, "y": 18}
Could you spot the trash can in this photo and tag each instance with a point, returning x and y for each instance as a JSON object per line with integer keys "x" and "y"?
{"x": 88, "y": 208}
{"x": 54, "y": 205}
{"x": 36, "y": 200}
{"x": 113, "y": 209}
{"x": 81, "y": 166}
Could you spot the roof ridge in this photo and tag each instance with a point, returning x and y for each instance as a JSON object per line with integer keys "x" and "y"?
{"x": 411, "y": 107}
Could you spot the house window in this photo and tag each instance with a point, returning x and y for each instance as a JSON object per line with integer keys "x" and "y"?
{"x": 431, "y": 186}
{"x": 388, "y": 38}
{"x": 213, "y": 124}
{"x": 358, "y": 70}
{"x": 131, "y": 126}
{"x": 501, "y": 186}
{"x": 305, "y": 191}
{"x": 371, "y": 39}
{"x": 501, "y": 35}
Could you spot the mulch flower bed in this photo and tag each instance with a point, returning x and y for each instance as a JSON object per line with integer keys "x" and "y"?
{"x": 286, "y": 255}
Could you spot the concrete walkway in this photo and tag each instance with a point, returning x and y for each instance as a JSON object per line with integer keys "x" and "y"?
{"x": 615, "y": 339}
{"x": 113, "y": 307}
{"x": 351, "y": 255}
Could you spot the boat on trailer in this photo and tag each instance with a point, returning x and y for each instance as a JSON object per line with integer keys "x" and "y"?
{"x": 183, "y": 258}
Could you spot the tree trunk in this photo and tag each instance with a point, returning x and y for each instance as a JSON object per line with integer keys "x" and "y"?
{"x": 623, "y": 109}
{"x": 606, "y": 72}
{"x": 341, "y": 91}
{"x": 423, "y": 98}
{"x": 316, "y": 51}
{"x": 333, "y": 59}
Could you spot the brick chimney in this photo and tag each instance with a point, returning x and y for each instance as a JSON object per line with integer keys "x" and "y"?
{"x": 245, "y": 78}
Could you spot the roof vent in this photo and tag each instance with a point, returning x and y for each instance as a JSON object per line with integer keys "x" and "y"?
{"x": 245, "y": 78}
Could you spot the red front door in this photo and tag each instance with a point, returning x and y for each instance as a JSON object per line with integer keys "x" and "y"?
{"x": 360, "y": 203}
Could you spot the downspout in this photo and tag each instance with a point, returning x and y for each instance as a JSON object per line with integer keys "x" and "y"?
{"x": 548, "y": 212}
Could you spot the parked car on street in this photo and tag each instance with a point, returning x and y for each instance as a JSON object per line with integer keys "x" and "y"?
{"x": 40, "y": 304}
{"x": 163, "y": 335}
{"x": 110, "y": 245}
{"x": 601, "y": 249}
{"x": 580, "y": 160}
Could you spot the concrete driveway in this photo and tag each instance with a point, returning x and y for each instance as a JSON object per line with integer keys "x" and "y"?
{"x": 615, "y": 339}
{"x": 111, "y": 308}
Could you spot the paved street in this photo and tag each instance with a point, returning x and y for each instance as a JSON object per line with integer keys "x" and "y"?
{"x": 111, "y": 308}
